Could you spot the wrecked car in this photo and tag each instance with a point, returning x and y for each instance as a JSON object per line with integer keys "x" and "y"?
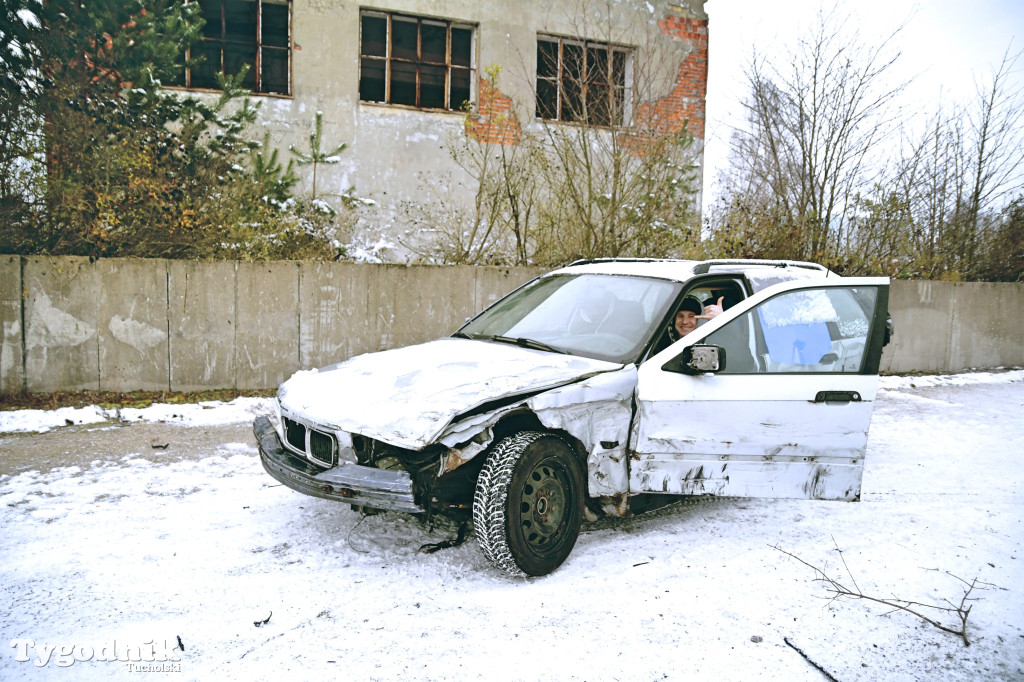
{"x": 575, "y": 396}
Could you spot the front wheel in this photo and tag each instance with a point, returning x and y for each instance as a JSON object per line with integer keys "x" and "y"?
{"x": 528, "y": 504}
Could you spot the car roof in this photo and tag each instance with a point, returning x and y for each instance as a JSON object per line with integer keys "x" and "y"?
{"x": 764, "y": 272}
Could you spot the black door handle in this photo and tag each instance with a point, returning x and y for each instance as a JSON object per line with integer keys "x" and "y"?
{"x": 837, "y": 397}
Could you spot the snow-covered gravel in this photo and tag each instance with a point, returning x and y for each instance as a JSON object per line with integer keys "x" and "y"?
{"x": 137, "y": 551}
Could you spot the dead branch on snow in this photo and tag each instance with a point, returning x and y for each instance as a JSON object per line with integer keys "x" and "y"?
{"x": 960, "y": 610}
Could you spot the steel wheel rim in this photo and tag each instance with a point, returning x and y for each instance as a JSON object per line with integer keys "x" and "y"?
{"x": 544, "y": 506}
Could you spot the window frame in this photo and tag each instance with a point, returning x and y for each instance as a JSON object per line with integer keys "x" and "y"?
{"x": 560, "y": 81}
{"x": 418, "y": 61}
{"x": 256, "y": 81}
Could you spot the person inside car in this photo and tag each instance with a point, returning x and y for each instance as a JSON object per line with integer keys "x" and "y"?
{"x": 690, "y": 312}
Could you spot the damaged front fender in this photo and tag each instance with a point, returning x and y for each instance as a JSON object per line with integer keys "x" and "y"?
{"x": 596, "y": 411}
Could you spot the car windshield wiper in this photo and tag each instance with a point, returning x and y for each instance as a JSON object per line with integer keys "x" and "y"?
{"x": 527, "y": 343}
{"x": 461, "y": 335}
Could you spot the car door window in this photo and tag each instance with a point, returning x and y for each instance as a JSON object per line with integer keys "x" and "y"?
{"x": 814, "y": 330}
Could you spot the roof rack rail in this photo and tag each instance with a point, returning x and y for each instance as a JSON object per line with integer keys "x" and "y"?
{"x": 705, "y": 267}
{"x": 587, "y": 261}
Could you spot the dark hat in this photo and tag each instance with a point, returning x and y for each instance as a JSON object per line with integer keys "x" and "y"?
{"x": 693, "y": 305}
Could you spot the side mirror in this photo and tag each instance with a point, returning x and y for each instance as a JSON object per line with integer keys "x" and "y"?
{"x": 697, "y": 359}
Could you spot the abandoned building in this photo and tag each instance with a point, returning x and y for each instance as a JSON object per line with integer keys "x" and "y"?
{"x": 398, "y": 81}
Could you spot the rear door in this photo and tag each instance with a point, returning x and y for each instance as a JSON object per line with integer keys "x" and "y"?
{"x": 787, "y": 415}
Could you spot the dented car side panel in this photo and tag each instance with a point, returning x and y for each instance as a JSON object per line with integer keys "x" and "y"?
{"x": 707, "y": 439}
{"x": 597, "y": 412}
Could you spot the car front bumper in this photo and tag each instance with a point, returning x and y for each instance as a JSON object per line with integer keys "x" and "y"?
{"x": 351, "y": 483}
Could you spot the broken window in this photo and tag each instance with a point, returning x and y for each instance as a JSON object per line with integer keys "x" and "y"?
{"x": 243, "y": 33}
{"x": 581, "y": 81}
{"x": 415, "y": 61}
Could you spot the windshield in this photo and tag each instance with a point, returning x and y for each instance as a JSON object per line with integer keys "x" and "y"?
{"x": 607, "y": 317}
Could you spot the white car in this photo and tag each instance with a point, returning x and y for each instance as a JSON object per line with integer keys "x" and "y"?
{"x": 574, "y": 396}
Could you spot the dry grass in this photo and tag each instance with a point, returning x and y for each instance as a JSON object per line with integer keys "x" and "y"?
{"x": 110, "y": 399}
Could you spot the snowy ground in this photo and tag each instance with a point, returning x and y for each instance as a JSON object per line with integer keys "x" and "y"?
{"x": 140, "y": 551}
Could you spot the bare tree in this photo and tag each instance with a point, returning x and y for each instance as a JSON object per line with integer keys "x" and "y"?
{"x": 963, "y": 168}
{"x": 815, "y": 118}
{"x": 997, "y": 148}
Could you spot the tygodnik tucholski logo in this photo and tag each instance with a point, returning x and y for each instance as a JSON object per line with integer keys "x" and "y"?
{"x": 149, "y": 656}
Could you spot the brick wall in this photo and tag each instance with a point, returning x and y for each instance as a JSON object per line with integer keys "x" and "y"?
{"x": 685, "y": 104}
{"x": 494, "y": 121}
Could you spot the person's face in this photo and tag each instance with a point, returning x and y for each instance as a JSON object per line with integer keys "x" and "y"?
{"x": 686, "y": 322}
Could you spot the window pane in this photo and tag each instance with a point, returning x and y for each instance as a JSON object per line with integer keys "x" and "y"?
{"x": 597, "y": 105}
{"x": 432, "y": 87}
{"x": 403, "y": 83}
{"x": 236, "y": 57}
{"x": 572, "y": 83}
{"x": 204, "y": 72}
{"x": 211, "y": 14}
{"x": 572, "y": 63}
{"x": 619, "y": 69}
{"x": 435, "y": 43}
{"x": 240, "y": 20}
{"x": 460, "y": 89}
{"x": 403, "y": 38}
{"x": 572, "y": 102}
{"x": 547, "y": 99}
{"x": 375, "y": 33}
{"x": 462, "y": 47}
{"x": 275, "y": 25}
{"x": 275, "y": 71}
{"x": 371, "y": 81}
{"x": 547, "y": 59}
{"x": 597, "y": 65}
{"x": 738, "y": 343}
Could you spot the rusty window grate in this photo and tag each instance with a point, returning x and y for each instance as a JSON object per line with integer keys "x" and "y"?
{"x": 240, "y": 33}
{"x": 415, "y": 61}
{"x": 582, "y": 81}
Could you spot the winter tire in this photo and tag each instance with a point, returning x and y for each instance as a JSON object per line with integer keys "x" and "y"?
{"x": 528, "y": 503}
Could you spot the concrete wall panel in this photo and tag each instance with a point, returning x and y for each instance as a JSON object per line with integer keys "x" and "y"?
{"x": 267, "y": 314}
{"x": 493, "y": 283}
{"x": 12, "y": 368}
{"x": 403, "y": 312}
{"x": 335, "y": 317}
{"x": 201, "y": 324}
{"x": 62, "y": 304}
{"x": 921, "y": 314}
{"x": 986, "y": 328}
{"x": 133, "y": 324}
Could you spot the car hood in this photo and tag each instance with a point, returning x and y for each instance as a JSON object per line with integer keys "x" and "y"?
{"x": 407, "y": 396}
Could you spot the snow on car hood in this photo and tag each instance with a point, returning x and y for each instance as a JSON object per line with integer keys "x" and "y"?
{"x": 407, "y": 396}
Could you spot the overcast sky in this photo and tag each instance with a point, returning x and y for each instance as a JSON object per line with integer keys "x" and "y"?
{"x": 945, "y": 44}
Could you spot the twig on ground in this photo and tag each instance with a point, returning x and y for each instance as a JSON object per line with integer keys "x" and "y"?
{"x": 807, "y": 658}
{"x": 960, "y": 610}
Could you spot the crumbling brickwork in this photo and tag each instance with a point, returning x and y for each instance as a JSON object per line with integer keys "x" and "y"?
{"x": 685, "y": 104}
{"x": 494, "y": 122}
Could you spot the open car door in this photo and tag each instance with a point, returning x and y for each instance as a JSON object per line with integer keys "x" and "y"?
{"x": 772, "y": 398}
